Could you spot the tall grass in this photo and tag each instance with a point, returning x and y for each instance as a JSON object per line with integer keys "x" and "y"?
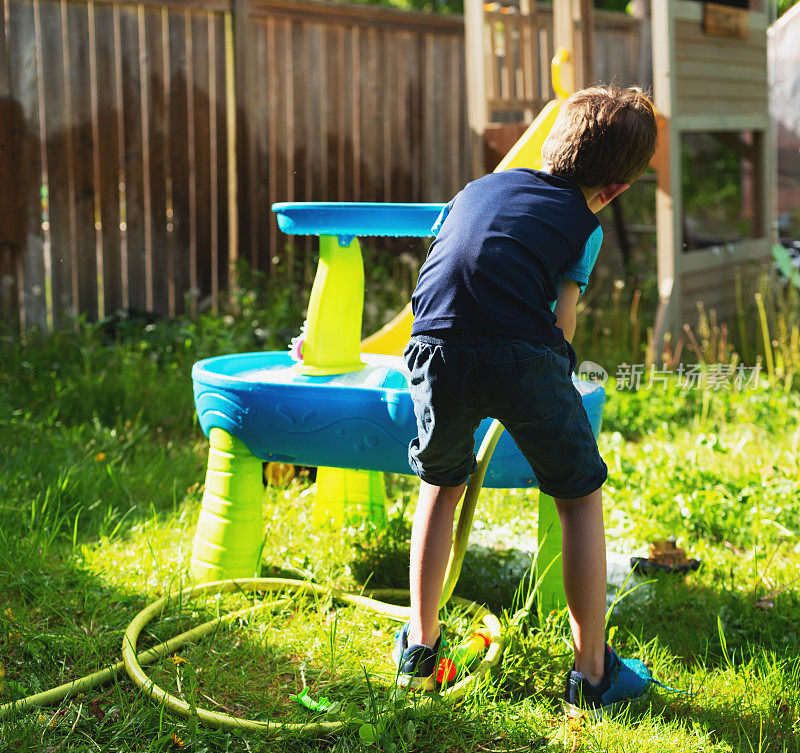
{"x": 616, "y": 326}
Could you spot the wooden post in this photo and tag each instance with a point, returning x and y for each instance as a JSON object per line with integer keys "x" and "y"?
{"x": 585, "y": 54}
{"x": 669, "y": 210}
{"x": 573, "y": 29}
{"x": 476, "y": 81}
{"x": 641, "y": 10}
{"x": 564, "y": 36}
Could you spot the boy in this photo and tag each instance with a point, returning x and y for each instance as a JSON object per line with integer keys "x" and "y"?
{"x": 495, "y": 308}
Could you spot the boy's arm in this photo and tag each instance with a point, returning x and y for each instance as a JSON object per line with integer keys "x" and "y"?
{"x": 573, "y": 282}
{"x": 566, "y": 307}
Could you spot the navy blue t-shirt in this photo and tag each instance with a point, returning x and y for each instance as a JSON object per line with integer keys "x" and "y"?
{"x": 503, "y": 244}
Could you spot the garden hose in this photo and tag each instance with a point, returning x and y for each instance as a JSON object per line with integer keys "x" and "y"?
{"x": 133, "y": 662}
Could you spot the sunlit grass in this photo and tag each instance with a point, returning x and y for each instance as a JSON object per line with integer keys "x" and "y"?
{"x": 98, "y": 504}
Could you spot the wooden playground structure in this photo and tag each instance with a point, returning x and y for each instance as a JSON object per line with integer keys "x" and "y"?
{"x": 709, "y": 70}
{"x": 709, "y": 78}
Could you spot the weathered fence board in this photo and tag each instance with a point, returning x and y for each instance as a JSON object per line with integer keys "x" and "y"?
{"x": 114, "y": 141}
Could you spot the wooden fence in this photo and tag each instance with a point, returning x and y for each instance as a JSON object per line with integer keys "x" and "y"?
{"x": 518, "y": 48}
{"x": 116, "y": 143}
{"x": 142, "y": 143}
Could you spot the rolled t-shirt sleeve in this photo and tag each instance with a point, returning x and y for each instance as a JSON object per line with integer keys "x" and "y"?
{"x": 437, "y": 226}
{"x": 581, "y": 269}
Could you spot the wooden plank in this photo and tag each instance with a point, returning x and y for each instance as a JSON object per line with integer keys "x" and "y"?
{"x": 70, "y": 267}
{"x": 314, "y": 121}
{"x": 719, "y": 278}
{"x": 455, "y": 90}
{"x": 700, "y": 88}
{"x": 164, "y": 102}
{"x": 368, "y": 86}
{"x": 586, "y": 34}
{"x": 504, "y": 105}
{"x": 288, "y": 125}
{"x": 530, "y": 44}
{"x": 388, "y": 97}
{"x": 432, "y": 186}
{"x": 46, "y": 262}
{"x": 506, "y": 63}
{"x": 121, "y": 163}
{"x": 693, "y": 28}
{"x": 202, "y": 64}
{"x": 371, "y": 16}
{"x": 275, "y": 164}
{"x": 81, "y": 75}
{"x": 303, "y": 108}
{"x": 669, "y": 204}
{"x": 477, "y": 73}
{"x": 231, "y": 151}
{"x": 132, "y": 172}
{"x": 220, "y": 6}
{"x": 161, "y": 99}
{"x": 10, "y": 247}
{"x": 107, "y": 203}
{"x": 690, "y": 34}
{"x": 23, "y": 91}
{"x": 708, "y": 120}
{"x": 401, "y": 180}
{"x": 699, "y": 56}
{"x": 741, "y": 252}
{"x": 96, "y": 191}
{"x": 337, "y": 83}
{"x": 493, "y": 76}
{"x": 56, "y": 127}
{"x": 688, "y": 67}
{"x": 720, "y": 105}
{"x": 355, "y": 46}
{"x": 222, "y": 152}
{"x": 415, "y": 118}
{"x": 691, "y": 14}
{"x": 192, "y": 284}
{"x": 213, "y": 159}
{"x": 245, "y": 75}
{"x": 259, "y": 127}
{"x": 147, "y": 209}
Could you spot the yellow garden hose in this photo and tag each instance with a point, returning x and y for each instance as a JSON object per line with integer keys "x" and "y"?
{"x": 464, "y": 524}
{"x": 133, "y": 662}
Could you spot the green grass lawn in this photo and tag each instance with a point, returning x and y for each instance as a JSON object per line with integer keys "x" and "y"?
{"x": 101, "y": 470}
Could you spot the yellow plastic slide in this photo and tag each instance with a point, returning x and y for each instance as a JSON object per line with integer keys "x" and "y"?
{"x": 527, "y": 152}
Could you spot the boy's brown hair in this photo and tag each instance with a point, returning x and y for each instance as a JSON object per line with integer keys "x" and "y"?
{"x": 602, "y": 135}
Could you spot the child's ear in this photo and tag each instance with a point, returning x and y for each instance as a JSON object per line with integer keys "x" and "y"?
{"x": 612, "y": 191}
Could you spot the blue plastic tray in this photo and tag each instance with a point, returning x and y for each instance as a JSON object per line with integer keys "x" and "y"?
{"x": 356, "y": 219}
{"x": 362, "y": 420}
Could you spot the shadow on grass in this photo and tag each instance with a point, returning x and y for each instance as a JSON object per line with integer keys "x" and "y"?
{"x": 737, "y": 726}
{"x": 706, "y": 624}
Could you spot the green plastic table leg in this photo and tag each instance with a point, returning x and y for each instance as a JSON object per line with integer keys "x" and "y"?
{"x": 229, "y": 535}
{"x": 551, "y": 587}
{"x": 348, "y": 496}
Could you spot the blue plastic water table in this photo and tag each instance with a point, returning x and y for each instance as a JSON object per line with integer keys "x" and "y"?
{"x": 363, "y": 419}
{"x": 338, "y": 407}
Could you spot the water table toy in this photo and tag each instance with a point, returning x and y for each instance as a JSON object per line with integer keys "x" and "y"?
{"x": 334, "y": 406}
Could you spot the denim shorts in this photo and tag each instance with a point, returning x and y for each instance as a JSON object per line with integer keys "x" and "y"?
{"x": 460, "y": 378}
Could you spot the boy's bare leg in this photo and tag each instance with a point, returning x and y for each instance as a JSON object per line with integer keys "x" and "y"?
{"x": 431, "y": 539}
{"x": 583, "y": 556}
